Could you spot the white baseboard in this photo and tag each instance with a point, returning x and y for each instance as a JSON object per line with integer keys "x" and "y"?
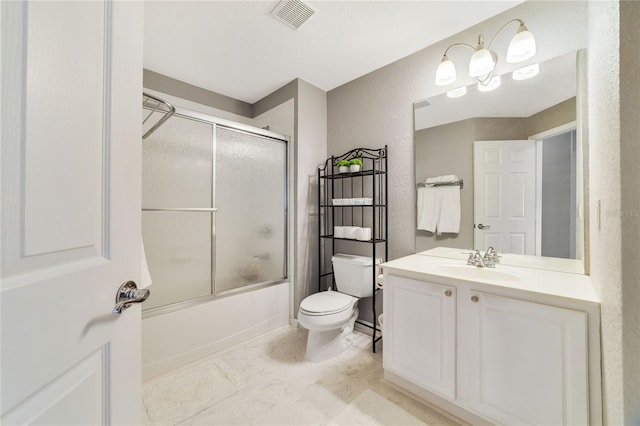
{"x": 435, "y": 402}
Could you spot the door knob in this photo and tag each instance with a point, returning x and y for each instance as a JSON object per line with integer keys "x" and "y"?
{"x": 481, "y": 226}
{"x": 127, "y": 294}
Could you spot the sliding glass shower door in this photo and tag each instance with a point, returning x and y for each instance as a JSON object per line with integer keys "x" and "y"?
{"x": 214, "y": 209}
{"x": 250, "y": 226}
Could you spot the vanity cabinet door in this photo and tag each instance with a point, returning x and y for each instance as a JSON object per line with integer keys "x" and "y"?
{"x": 528, "y": 361}
{"x": 420, "y": 333}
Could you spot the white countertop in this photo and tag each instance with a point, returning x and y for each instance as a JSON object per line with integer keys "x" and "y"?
{"x": 450, "y": 271}
{"x": 571, "y": 266}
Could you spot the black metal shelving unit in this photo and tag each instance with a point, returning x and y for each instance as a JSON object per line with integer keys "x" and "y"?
{"x": 369, "y": 182}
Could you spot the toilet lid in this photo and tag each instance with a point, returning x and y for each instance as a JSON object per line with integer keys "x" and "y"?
{"x": 326, "y": 303}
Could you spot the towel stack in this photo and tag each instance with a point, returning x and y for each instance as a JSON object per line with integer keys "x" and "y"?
{"x": 441, "y": 179}
{"x": 439, "y": 206}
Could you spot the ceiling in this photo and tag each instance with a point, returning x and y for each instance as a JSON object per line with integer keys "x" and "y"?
{"x": 238, "y": 49}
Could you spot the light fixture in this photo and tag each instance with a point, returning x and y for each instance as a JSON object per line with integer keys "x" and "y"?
{"x": 484, "y": 60}
{"x": 493, "y": 83}
{"x": 446, "y": 72}
{"x": 456, "y": 93}
{"x": 526, "y": 72}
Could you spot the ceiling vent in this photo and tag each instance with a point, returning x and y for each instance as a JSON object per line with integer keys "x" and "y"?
{"x": 294, "y": 13}
{"x": 421, "y": 104}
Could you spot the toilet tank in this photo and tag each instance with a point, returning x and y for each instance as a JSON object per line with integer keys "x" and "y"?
{"x": 354, "y": 274}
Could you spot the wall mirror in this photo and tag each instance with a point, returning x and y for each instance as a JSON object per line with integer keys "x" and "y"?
{"x": 518, "y": 153}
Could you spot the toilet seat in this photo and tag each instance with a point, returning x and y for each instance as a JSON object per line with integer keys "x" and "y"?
{"x": 326, "y": 303}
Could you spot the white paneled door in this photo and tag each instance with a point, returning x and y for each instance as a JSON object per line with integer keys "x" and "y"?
{"x": 505, "y": 195}
{"x": 71, "y": 132}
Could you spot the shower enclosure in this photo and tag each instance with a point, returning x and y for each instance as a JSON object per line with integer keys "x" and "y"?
{"x": 214, "y": 209}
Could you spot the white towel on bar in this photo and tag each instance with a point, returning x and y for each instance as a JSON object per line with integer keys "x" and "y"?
{"x": 428, "y": 208}
{"x": 439, "y": 209}
{"x": 441, "y": 179}
{"x": 449, "y": 216}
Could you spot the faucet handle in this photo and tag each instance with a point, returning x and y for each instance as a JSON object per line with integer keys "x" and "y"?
{"x": 471, "y": 260}
{"x": 492, "y": 255}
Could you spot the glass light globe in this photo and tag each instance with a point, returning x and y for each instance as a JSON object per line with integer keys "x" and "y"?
{"x": 481, "y": 63}
{"x": 446, "y": 72}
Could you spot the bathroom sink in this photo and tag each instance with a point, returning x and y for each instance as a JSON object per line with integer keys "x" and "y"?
{"x": 475, "y": 273}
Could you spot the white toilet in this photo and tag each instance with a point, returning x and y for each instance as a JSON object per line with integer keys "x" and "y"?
{"x": 330, "y": 315}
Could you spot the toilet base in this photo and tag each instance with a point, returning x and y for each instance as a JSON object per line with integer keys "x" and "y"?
{"x": 324, "y": 345}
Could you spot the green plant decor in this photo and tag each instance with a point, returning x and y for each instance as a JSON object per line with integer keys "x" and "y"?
{"x": 355, "y": 162}
{"x": 344, "y": 163}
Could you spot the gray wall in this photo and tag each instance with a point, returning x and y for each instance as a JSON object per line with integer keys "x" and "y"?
{"x": 377, "y": 109}
{"x": 445, "y": 150}
{"x": 559, "y": 114}
{"x": 180, "y": 89}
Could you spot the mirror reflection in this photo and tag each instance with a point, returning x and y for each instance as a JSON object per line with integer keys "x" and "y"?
{"x": 515, "y": 148}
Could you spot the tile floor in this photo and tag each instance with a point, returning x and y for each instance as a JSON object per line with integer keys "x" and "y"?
{"x": 267, "y": 382}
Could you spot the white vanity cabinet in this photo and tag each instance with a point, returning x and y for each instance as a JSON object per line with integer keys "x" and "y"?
{"x": 490, "y": 349}
{"x": 420, "y": 334}
{"x": 527, "y": 361}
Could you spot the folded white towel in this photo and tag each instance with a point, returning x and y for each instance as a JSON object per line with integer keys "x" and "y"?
{"x": 449, "y": 178}
{"x": 449, "y": 214}
{"x": 428, "y": 208}
{"x": 441, "y": 179}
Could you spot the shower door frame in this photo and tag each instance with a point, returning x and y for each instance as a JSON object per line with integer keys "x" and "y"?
{"x": 253, "y": 131}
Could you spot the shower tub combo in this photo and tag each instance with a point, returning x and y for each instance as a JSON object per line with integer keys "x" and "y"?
{"x": 214, "y": 223}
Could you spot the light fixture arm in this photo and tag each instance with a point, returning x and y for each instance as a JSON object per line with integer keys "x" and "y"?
{"x": 518, "y": 20}
{"x": 458, "y": 44}
{"x": 486, "y": 80}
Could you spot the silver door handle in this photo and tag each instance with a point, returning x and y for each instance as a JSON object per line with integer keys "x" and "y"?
{"x": 127, "y": 294}
{"x": 481, "y": 226}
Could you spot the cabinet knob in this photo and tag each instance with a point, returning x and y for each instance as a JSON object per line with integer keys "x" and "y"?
{"x": 474, "y": 299}
{"x": 448, "y": 293}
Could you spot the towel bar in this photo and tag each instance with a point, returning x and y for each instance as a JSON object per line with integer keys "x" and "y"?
{"x": 455, "y": 183}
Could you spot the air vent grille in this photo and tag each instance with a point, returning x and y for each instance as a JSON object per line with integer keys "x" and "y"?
{"x": 421, "y": 104}
{"x": 294, "y": 13}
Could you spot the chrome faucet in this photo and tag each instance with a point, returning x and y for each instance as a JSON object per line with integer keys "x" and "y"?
{"x": 492, "y": 255}
{"x": 476, "y": 259}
